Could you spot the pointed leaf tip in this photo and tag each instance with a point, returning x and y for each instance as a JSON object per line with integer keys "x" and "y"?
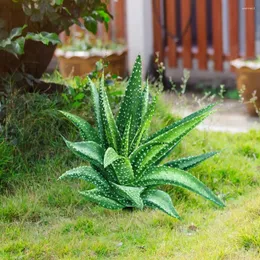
{"x": 88, "y": 174}
{"x": 87, "y": 132}
{"x": 157, "y": 199}
{"x": 110, "y": 156}
{"x": 190, "y": 162}
{"x": 161, "y": 175}
{"x": 90, "y": 151}
{"x": 130, "y": 106}
{"x": 110, "y": 127}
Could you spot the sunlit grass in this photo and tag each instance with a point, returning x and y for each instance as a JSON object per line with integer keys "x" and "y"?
{"x": 43, "y": 218}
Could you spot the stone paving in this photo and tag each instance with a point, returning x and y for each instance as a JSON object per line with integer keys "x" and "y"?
{"x": 231, "y": 115}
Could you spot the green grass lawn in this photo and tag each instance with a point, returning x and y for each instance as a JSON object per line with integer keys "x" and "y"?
{"x": 92, "y": 233}
{"x": 43, "y": 218}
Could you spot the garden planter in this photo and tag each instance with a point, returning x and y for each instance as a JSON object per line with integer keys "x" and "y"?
{"x": 248, "y": 81}
{"x": 37, "y": 56}
{"x": 80, "y": 63}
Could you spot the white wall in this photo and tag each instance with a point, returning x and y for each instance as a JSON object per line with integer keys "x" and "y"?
{"x": 139, "y": 31}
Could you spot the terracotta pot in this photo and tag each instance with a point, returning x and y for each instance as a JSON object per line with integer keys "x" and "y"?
{"x": 248, "y": 81}
{"x": 80, "y": 65}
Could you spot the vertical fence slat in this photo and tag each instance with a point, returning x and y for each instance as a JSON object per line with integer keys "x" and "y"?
{"x": 186, "y": 39}
{"x": 233, "y": 29}
{"x": 120, "y": 19}
{"x": 201, "y": 11}
{"x": 157, "y": 29}
{"x": 171, "y": 29}
{"x": 250, "y": 28}
{"x": 217, "y": 34}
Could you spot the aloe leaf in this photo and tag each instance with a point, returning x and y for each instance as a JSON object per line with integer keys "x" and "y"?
{"x": 131, "y": 193}
{"x": 196, "y": 114}
{"x": 145, "y": 100}
{"x": 124, "y": 149}
{"x": 157, "y": 199}
{"x": 137, "y": 157}
{"x": 177, "y": 131}
{"x": 168, "y": 149}
{"x": 88, "y": 174}
{"x": 109, "y": 174}
{"x": 89, "y": 151}
{"x": 167, "y": 175}
{"x": 110, "y": 156}
{"x": 144, "y": 125}
{"x": 145, "y": 157}
{"x": 97, "y": 111}
{"x": 123, "y": 170}
{"x": 98, "y": 197}
{"x": 87, "y": 132}
{"x": 189, "y": 162}
{"x": 109, "y": 123}
{"x": 131, "y": 102}
{"x": 172, "y": 135}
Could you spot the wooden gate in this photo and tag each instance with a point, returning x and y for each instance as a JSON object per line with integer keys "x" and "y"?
{"x": 188, "y": 29}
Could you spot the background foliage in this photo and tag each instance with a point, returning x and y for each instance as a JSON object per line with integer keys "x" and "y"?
{"x": 54, "y": 17}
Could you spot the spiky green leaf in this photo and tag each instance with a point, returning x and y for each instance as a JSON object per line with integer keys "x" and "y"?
{"x": 88, "y": 174}
{"x": 148, "y": 154}
{"x": 87, "y": 132}
{"x": 98, "y": 197}
{"x": 123, "y": 170}
{"x": 166, "y": 175}
{"x": 180, "y": 129}
{"x": 131, "y": 103}
{"x": 131, "y": 193}
{"x": 124, "y": 148}
{"x": 89, "y": 151}
{"x": 189, "y": 162}
{"x": 157, "y": 199}
{"x": 144, "y": 125}
{"x": 97, "y": 110}
{"x": 110, "y": 156}
{"x": 145, "y": 100}
{"x": 109, "y": 123}
{"x": 182, "y": 121}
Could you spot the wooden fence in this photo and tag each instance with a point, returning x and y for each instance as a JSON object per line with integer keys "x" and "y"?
{"x": 198, "y": 25}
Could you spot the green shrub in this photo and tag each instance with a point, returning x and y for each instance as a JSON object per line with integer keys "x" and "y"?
{"x": 124, "y": 162}
{"x": 6, "y": 153}
{"x": 32, "y": 124}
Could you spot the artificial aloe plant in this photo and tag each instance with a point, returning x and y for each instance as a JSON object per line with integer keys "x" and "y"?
{"x": 125, "y": 164}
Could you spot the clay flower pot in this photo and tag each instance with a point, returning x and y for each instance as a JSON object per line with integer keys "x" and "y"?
{"x": 248, "y": 81}
{"x": 80, "y": 63}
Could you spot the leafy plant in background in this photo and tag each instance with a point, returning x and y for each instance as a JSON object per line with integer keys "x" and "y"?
{"x": 126, "y": 164}
{"x": 74, "y": 96}
{"x": 76, "y": 90}
{"x": 14, "y": 43}
{"x": 58, "y": 15}
{"x": 65, "y": 13}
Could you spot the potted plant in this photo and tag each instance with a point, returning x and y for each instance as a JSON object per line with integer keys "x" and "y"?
{"x": 248, "y": 82}
{"x": 80, "y": 54}
{"x": 41, "y": 17}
